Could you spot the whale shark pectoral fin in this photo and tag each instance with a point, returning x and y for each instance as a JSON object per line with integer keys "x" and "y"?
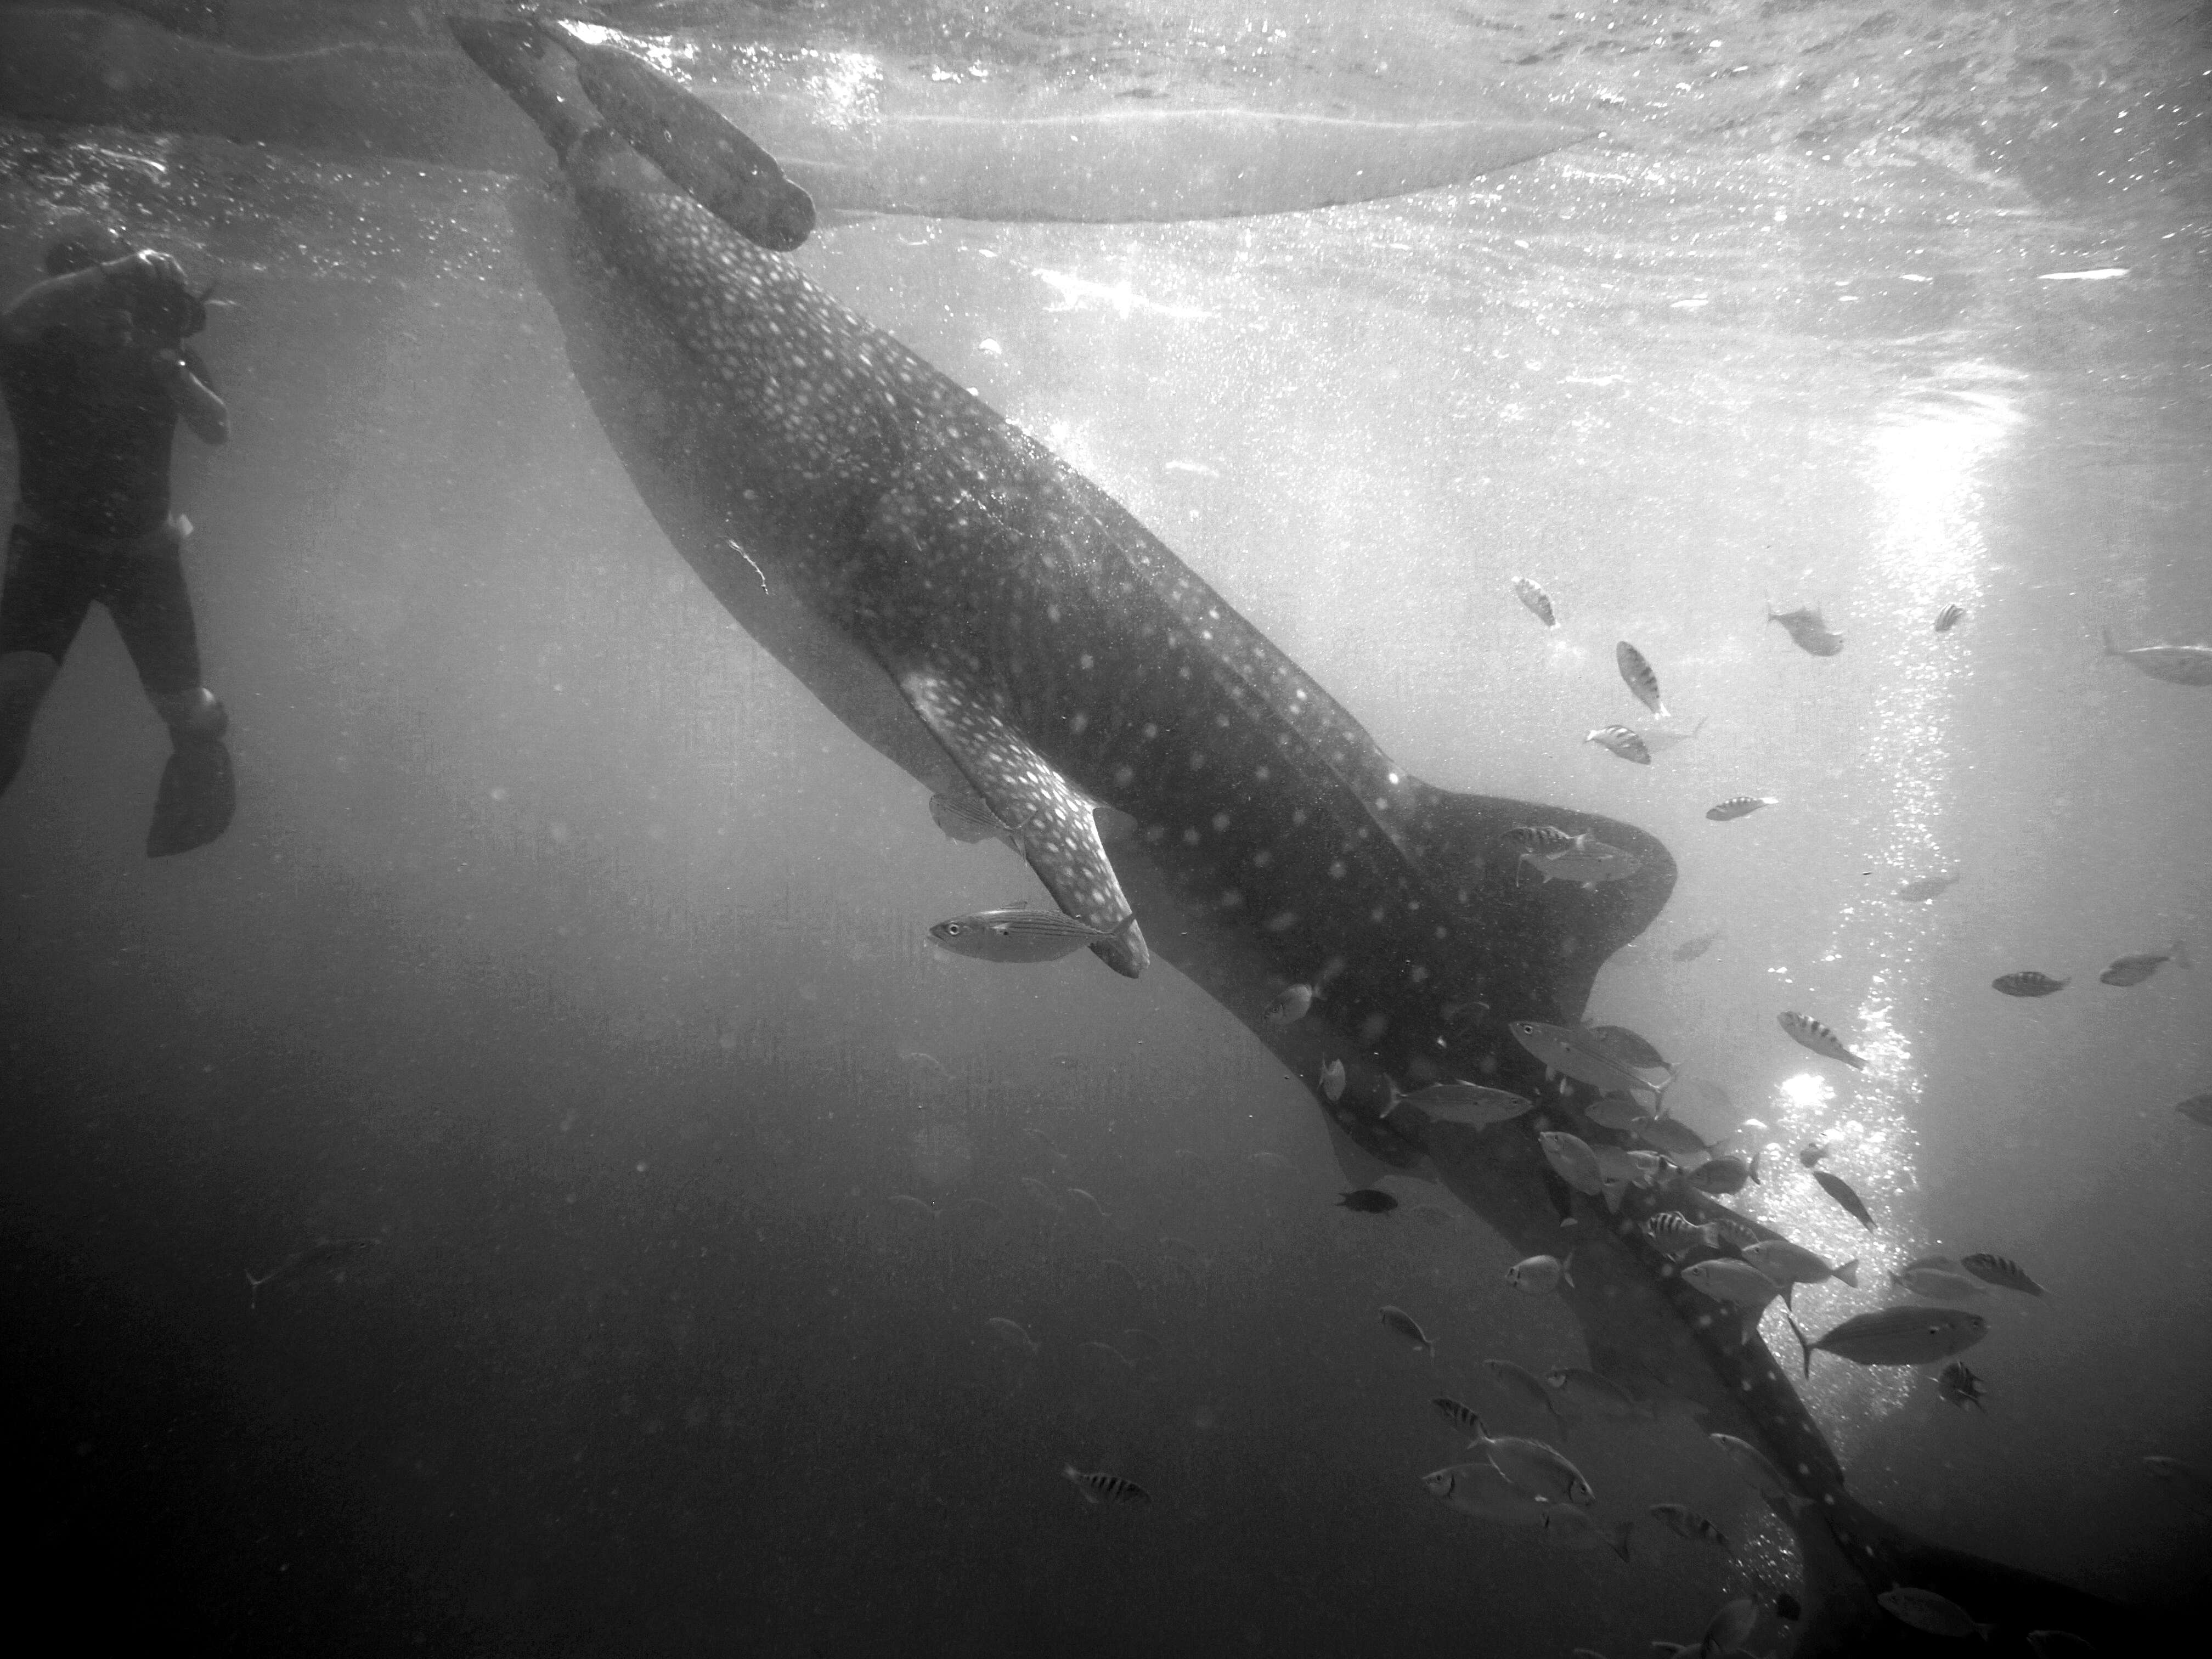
{"x": 1053, "y": 822}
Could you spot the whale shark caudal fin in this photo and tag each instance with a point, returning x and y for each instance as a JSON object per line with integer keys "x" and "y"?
{"x": 1054, "y": 827}
{"x": 571, "y": 89}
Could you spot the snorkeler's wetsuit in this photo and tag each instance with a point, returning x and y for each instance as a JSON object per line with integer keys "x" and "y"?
{"x": 93, "y": 429}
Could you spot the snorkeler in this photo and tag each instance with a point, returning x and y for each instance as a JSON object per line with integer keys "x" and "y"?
{"x": 96, "y": 371}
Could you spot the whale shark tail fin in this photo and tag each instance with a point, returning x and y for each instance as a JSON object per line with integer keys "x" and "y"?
{"x": 573, "y": 87}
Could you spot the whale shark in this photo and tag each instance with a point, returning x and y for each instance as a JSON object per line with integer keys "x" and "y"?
{"x": 1016, "y": 641}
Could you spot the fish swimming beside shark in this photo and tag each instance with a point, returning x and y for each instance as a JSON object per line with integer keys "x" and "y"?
{"x": 1004, "y": 631}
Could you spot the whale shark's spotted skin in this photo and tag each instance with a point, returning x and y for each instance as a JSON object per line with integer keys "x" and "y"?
{"x": 1006, "y": 632}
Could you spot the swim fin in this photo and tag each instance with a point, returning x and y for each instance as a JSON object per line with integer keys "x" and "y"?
{"x": 196, "y": 799}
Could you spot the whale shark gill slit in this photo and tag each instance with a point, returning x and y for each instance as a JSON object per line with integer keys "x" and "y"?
{"x": 999, "y": 627}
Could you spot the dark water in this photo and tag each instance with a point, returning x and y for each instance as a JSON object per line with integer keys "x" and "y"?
{"x": 569, "y": 948}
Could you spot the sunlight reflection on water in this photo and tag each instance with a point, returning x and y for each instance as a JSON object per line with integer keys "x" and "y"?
{"x": 1926, "y": 455}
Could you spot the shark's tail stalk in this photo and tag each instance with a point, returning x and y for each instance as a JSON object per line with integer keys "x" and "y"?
{"x": 571, "y": 89}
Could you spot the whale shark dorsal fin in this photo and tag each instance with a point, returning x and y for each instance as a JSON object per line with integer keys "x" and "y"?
{"x": 1052, "y": 821}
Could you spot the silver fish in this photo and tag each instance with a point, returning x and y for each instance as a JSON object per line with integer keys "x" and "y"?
{"x": 1729, "y": 1628}
{"x": 1400, "y": 1321}
{"x": 1541, "y": 1470}
{"x": 1939, "y": 1284}
{"x": 1637, "y": 674}
{"x": 913, "y": 1206}
{"x": 1809, "y": 1033}
{"x": 2060, "y": 1644}
{"x": 1726, "y": 1175}
{"x": 1757, "y": 1468}
{"x": 1691, "y": 949}
{"x": 1538, "y": 601}
{"x": 1332, "y": 1082}
{"x": 1619, "y": 1043}
{"x": 1674, "y": 1234}
{"x": 1622, "y": 742}
{"x": 1469, "y": 1103}
{"x": 1923, "y": 888}
{"x": 1617, "y": 1112}
{"x": 1540, "y": 1275}
{"x": 1898, "y": 1336}
{"x": 2134, "y": 970}
{"x": 1479, "y": 1490}
{"x": 1586, "y": 860}
{"x": 2176, "y": 665}
{"x": 2028, "y": 982}
{"x": 1108, "y": 1351}
{"x": 1014, "y": 1336}
{"x": 1812, "y": 1152}
{"x": 1686, "y": 1522}
{"x": 1924, "y": 1609}
{"x": 2197, "y": 1109}
{"x": 1021, "y": 934}
{"x": 1573, "y": 1160}
{"x": 1089, "y": 1198}
{"x": 1100, "y": 1487}
{"x": 1043, "y": 1195}
{"x": 1291, "y": 1004}
{"x": 1949, "y": 618}
{"x": 1588, "y": 1393}
{"x": 1839, "y": 1189}
{"x": 1738, "y": 806}
{"x": 1569, "y": 1051}
{"x": 1786, "y": 1263}
{"x": 1676, "y": 1138}
{"x": 1520, "y": 1382}
{"x": 1809, "y": 629}
{"x": 2001, "y": 1270}
{"x": 968, "y": 820}
{"x": 1737, "y": 1283}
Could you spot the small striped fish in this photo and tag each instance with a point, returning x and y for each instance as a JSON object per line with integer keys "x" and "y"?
{"x": 1021, "y": 934}
{"x": 1675, "y": 1235}
{"x": 1538, "y": 601}
{"x": 1735, "y": 1229}
{"x": 1101, "y": 1487}
{"x": 1622, "y": 742}
{"x": 2001, "y": 1270}
{"x": 1949, "y": 618}
{"x": 1461, "y": 1418}
{"x": 1738, "y": 806}
{"x": 2028, "y": 983}
{"x": 1541, "y": 839}
{"x": 1810, "y": 1033}
{"x": 1637, "y": 673}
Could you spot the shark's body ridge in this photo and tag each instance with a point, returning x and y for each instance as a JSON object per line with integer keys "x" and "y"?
{"x": 1013, "y": 638}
